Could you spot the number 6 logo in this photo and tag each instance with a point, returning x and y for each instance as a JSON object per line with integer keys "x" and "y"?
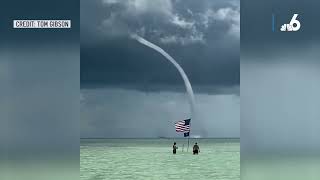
{"x": 294, "y": 23}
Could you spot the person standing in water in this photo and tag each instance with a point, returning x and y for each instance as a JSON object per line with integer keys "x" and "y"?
{"x": 196, "y": 148}
{"x": 174, "y": 148}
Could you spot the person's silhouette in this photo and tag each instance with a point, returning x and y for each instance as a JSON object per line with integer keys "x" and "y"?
{"x": 196, "y": 148}
{"x": 174, "y": 148}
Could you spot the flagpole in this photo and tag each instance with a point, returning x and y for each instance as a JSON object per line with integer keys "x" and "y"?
{"x": 189, "y": 135}
{"x": 188, "y": 143}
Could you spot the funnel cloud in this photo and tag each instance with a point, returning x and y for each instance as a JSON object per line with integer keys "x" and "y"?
{"x": 179, "y": 68}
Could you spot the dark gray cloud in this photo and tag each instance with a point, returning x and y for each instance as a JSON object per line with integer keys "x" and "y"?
{"x": 202, "y": 37}
{"x": 122, "y": 113}
{"x": 129, "y": 90}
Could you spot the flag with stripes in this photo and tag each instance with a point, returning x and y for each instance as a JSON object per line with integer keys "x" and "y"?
{"x": 183, "y": 126}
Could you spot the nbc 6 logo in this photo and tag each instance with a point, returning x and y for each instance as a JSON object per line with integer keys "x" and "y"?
{"x": 294, "y": 24}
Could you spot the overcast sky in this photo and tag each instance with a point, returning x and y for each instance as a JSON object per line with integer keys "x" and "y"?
{"x": 129, "y": 90}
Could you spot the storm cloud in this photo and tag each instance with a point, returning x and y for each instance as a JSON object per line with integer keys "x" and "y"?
{"x": 116, "y": 112}
{"x": 128, "y": 90}
{"x": 203, "y": 38}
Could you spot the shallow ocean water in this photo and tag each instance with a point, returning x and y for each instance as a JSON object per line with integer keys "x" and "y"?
{"x": 120, "y": 159}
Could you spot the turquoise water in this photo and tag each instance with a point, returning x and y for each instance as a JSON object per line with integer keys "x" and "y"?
{"x": 150, "y": 159}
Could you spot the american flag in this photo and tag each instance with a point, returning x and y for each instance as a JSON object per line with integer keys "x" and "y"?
{"x": 183, "y": 126}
